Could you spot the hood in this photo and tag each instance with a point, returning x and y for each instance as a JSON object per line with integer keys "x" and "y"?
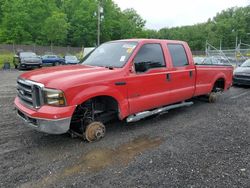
{"x": 242, "y": 70}
{"x": 31, "y": 59}
{"x": 61, "y": 77}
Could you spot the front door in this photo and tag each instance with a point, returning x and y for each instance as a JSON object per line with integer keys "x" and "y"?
{"x": 147, "y": 84}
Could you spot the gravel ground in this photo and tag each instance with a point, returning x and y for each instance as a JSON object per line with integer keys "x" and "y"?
{"x": 205, "y": 145}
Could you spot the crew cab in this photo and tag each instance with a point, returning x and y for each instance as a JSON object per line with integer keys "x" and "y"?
{"x": 125, "y": 79}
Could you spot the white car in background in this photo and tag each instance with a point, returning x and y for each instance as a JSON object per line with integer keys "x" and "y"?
{"x": 70, "y": 59}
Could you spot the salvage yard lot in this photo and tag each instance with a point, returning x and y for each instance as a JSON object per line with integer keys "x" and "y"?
{"x": 202, "y": 145}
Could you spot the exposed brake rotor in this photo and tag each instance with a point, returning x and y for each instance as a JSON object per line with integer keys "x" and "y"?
{"x": 95, "y": 131}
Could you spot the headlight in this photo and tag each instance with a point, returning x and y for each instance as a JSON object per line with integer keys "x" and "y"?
{"x": 54, "y": 97}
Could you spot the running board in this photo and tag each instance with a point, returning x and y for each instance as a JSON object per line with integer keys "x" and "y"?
{"x": 141, "y": 115}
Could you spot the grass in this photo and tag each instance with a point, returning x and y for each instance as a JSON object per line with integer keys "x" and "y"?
{"x": 6, "y": 57}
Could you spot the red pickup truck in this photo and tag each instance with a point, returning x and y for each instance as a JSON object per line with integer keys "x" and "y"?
{"x": 127, "y": 79}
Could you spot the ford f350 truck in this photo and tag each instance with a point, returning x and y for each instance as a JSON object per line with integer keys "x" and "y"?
{"x": 128, "y": 79}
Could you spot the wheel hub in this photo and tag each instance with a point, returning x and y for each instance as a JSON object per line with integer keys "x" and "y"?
{"x": 94, "y": 131}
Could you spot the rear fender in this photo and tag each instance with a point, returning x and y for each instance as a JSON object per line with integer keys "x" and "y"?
{"x": 96, "y": 91}
{"x": 217, "y": 77}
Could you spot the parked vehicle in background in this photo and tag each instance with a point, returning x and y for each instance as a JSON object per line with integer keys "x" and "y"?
{"x": 127, "y": 79}
{"x": 70, "y": 59}
{"x": 27, "y": 60}
{"x": 198, "y": 60}
{"x": 242, "y": 74}
{"x": 52, "y": 60}
{"x": 211, "y": 60}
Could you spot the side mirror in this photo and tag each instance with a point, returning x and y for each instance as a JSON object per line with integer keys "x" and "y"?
{"x": 239, "y": 65}
{"x": 141, "y": 66}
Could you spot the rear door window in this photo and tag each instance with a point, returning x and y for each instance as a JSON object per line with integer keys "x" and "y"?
{"x": 178, "y": 55}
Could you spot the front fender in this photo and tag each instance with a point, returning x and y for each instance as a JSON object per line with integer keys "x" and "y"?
{"x": 96, "y": 91}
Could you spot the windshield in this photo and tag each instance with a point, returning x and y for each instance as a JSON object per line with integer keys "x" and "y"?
{"x": 246, "y": 63}
{"x": 71, "y": 58}
{"x": 112, "y": 54}
{"x": 28, "y": 54}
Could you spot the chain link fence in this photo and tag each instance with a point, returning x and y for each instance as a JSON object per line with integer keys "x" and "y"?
{"x": 40, "y": 50}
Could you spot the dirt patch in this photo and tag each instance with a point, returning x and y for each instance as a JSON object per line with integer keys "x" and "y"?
{"x": 98, "y": 159}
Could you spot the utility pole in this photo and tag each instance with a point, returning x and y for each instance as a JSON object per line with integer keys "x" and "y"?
{"x": 220, "y": 44}
{"x": 99, "y": 18}
{"x": 98, "y": 23}
{"x": 236, "y": 49}
{"x": 236, "y": 41}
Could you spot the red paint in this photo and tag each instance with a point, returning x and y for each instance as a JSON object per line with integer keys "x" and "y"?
{"x": 141, "y": 92}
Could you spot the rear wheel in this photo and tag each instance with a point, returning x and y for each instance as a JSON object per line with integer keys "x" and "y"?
{"x": 56, "y": 64}
{"x": 212, "y": 97}
{"x": 19, "y": 67}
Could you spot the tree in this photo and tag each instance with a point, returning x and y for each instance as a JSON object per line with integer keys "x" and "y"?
{"x": 74, "y": 22}
{"x": 55, "y": 28}
{"x": 1, "y": 9}
{"x": 15, "y": 22}
{"x": 111, "y": 22}
{"x": 83, "y": 22}
{"x": 132, "y": 24}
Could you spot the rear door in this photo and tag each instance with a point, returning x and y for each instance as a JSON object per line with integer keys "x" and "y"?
{"x": 182, "y": 74}
{"x": 147, "y": 84}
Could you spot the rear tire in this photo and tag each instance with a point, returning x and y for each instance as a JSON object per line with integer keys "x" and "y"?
{"x": 212, "y": 97}
{"x": 56, "y": 64}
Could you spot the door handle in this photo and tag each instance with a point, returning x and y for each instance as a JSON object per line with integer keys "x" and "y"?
{"x": 168, "y": 77}
{"x": 190, "y": 74}
{"x": 120, "y": 83}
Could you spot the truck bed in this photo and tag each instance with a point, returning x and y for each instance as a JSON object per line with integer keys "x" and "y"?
{"x": 207, "y": 75}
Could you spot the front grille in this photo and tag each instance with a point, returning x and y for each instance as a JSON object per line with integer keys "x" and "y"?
{"x": 30, "y": 93}
{"x": 242, "y": 76}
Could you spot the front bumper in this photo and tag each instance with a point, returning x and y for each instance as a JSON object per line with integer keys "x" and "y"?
{"x": 47, "y": 119}
{"x": 30, "y": 65}
{"x": 49, "y": 126}
{"x": 241, "y": 81}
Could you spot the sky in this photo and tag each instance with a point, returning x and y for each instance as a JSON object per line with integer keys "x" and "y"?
{"x": 171, "y": 13}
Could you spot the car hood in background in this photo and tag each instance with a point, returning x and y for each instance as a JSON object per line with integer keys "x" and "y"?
{"x": 31, "y": 59}
{"x": 72, "y": 61}
{"x": 242, "y": 70}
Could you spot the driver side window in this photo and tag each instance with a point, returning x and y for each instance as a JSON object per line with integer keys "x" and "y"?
{"x": 149, "y": 56}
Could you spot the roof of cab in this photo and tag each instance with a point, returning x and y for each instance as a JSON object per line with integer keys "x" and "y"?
{"x": 150, "y": 40}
